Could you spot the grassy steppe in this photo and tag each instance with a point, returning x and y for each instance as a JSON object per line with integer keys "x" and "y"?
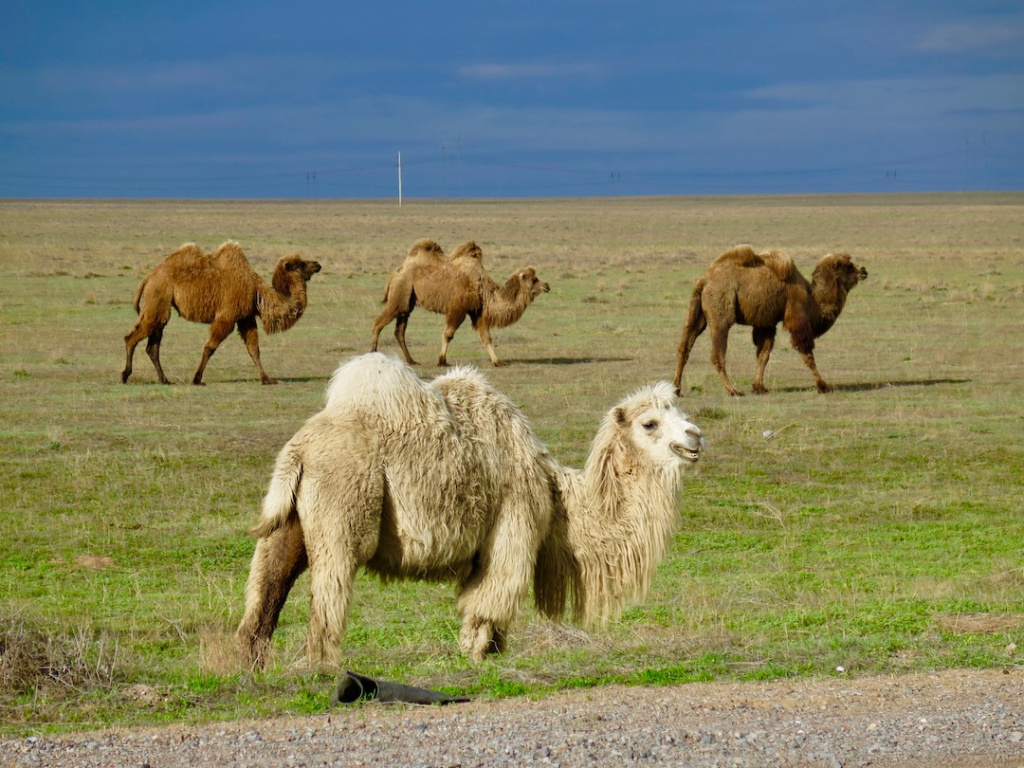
{"x": 879, "y": 530}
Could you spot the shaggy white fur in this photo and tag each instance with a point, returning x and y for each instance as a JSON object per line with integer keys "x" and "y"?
{"x": 446, "y": 481}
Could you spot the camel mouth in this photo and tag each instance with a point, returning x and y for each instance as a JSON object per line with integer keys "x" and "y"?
{"x": 863, "y": 274}
{"x": 687, "y": 454}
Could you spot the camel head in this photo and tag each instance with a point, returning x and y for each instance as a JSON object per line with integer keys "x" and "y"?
{"x": 292, "y": 269}
{"x": 296, "y": 265}
{"x": 840, "y": 269}
{"x": 657, "y": 428}
{"x": 532, "y": 285}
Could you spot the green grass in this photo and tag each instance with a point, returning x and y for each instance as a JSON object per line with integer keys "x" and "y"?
{"x": 878, "y": 530}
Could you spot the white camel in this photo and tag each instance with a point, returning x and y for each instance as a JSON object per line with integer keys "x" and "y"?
{"x": 446, "y": 481}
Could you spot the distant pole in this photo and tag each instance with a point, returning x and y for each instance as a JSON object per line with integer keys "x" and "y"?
{"x": 458, "y": 158}
{"x": 399, "y": 179}
{"x": 984, "y": 160}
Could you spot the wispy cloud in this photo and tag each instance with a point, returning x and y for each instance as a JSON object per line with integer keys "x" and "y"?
{"x": 528, "y": 71}
{"x": 959, "y": 38}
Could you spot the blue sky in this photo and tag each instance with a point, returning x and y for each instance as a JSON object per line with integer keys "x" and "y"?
{"x": 508, "y": 99}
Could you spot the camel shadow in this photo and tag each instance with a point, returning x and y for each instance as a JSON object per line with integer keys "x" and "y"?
{"x": 566, "y": 360}
{"x": 868, "y": 386}
{"x": 301, "y": 379}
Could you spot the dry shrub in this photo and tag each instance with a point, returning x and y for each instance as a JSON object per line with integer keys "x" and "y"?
{"x": 31, "y": 659}
{"x": 218, "y": 652}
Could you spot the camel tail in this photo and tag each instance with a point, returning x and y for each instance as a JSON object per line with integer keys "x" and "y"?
{"x": 387, "y": 288}
{"x": 695, "y": 314}
{"x": 279, "y": 503}
{"x": 552, "y": 579}
{"x": 692, "y": 328}
{"x": 138, "y": 295}
{"x": 556, "y": 575}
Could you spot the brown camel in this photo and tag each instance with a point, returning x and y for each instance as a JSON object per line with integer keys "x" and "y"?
{"x": 747, "y": 288}
{"x": 455, "y": 287}
{"x": 223, "y": 291}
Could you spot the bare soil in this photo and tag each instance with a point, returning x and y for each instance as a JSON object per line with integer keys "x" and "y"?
{"x": 964, "y": 718}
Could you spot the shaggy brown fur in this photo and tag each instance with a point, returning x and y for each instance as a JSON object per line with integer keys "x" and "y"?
{"x": 760, "y": 290}
{"x": 455, "y": 287}
{"x": 222, "y": 291}
{"x": 446, "y": 481}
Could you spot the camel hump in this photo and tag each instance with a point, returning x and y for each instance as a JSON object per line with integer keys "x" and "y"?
{"x": 230, "y": 250}
{"x": 189, "y": 255}
{"x": 742, "y": 256}
{"x": 427, "y": 246}
{"x": 779, "y": 263}
{"x": 380, "y": 384}
{"x": 468, "y": 250}
{"x": 745, "y": 257}
{"x": 231, "y": 259}
{"x": 189, "y": 249}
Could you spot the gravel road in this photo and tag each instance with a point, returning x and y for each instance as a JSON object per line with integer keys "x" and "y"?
{"x": 950, "y": 718}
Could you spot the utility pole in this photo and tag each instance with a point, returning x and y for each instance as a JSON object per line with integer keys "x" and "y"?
{"x": 399, "y": 179}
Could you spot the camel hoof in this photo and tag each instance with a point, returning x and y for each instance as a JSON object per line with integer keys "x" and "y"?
{"x": 124, "y": 377}
{"x": 267, "y": 382}
{"x": 735, "y": 393}
{"x": 500, "y": 364}
{"x": 825, "y": 389}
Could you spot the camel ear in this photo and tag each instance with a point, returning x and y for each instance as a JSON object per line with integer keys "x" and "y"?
{"x": 619, "y": 414}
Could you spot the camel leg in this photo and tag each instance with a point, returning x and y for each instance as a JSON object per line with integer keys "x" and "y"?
{"x": 452, "y": 323}
{"x": 485, "y": 337}
{"x": 131, "y": 340}
{"x": 153, "y": 350}
{"x": 219, "y": 330}
{"x": 341, "y": 512}
{"x": 331, "y": 588}
{"x": 808, "y": 358}
{"x": 379, "y": 324}
{"x": 489, "y": 599}
{"x": 719, "y": 344}
{"x": 690, "y": 334}
{"x": 151, "y": 323}
{"x": 250, "y": 335}
{"x": 400, "y": 323}
{"x": 278, "y": 561}
{"x": 764, "y": 340}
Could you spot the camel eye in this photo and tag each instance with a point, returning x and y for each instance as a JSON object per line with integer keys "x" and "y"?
{"x": 650, "y": 426}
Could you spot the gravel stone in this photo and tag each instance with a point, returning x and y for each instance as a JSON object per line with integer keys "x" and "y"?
{"x": 967, "y": 718}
